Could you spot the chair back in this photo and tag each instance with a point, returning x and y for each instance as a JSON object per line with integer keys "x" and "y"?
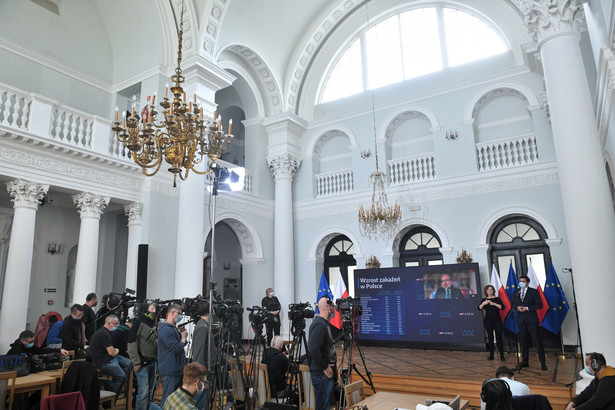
{"x": 307, "y": 399}
{"x": 65, "y": 365}
{"x": 7, "y": 390}
{"x": 238, "y": 367}
{"x": 264, "y": 394}
{"x": 352, "y": 393}
{"x": 65, "y": 401}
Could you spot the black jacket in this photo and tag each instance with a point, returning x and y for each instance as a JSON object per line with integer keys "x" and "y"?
{"x": 320, "y": 345}
{"x": 71, "y": 334}
{"x": 18, "y": 348}
{"x": 82, "y": 376}
{"x": 532, "y": 302}
{"x": 277, "y": 365}
{"x": 600, "y": 394}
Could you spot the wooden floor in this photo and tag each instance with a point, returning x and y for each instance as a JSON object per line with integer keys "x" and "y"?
{"x": 435, "y": 372}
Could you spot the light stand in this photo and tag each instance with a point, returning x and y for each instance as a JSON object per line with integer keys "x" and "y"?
{"x": 218, "y": 173}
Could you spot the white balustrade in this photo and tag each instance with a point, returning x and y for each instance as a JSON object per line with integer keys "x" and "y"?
{"x": 412, "y": 169}
{"x": 505, "y": 153}
{"x": 14, "y": 108}
{"x": 72, "y": 127}
{"x": 334, "y": 183}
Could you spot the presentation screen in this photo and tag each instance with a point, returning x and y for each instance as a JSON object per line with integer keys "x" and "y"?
{"x": 434, "y": 307}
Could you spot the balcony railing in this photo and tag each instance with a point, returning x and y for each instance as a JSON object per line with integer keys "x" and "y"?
{"x": 413, "y": 169}
{"x": 334, "y": 183}
{"x": 505, "y": 153}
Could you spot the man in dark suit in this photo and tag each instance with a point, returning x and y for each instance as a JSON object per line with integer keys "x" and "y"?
{"x": 526, "y": 302}
{"x": 447, "y": 291}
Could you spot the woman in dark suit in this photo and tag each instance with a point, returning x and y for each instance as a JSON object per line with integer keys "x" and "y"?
{"x": 492, "y": 305}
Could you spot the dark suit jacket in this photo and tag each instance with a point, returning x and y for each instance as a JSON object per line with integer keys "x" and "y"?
{"x": 532, "y": 302}
{"x": 455, "y": 293}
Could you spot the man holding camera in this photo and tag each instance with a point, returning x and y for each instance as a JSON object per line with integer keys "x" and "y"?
{"x": 171, "y": 356}
{"x": 143, "y": 353}
{"x": 321, "y": 358}
{"x": 272, "y": 305}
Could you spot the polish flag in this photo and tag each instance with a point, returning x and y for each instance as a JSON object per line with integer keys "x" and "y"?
{"x": 340, "y": 292}
{"x": 500, "y": 292}
{"x": 536, "y": 285}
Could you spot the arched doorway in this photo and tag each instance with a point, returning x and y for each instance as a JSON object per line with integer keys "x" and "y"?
{"x": 339, "y": 260}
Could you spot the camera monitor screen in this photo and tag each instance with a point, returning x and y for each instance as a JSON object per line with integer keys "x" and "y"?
{"x": 432, "y": 307}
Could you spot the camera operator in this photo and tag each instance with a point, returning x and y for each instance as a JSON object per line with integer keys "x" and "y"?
{"x": 272, "y": 305}
{"x": 321, "y": 357}
{"x": 171, "y": 356}
{"x": 277, "y": 365}
{"x": 89, "y": 317}
{"x": 200, "y": 343}
{"x": 143, "y": 353}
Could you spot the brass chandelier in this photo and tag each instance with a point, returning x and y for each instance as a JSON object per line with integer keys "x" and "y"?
{"x": 380, "y": 218}
{"x": 181, "y": 138}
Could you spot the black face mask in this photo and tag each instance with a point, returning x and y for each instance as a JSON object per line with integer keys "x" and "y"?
{"x": 95, "y": 303}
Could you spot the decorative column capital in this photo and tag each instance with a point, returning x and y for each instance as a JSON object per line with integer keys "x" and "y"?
{"x": 26, "y": 194}
{"x": 283, "y": 166}
{"x": 90, "y": 205}
{"x": 134, "y": 212}
{"x": 548, "y": 18}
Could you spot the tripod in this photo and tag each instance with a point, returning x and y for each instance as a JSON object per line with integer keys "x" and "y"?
{"x": 257, "y": 348}
{"x": 350, "y": 342}
{"x": 293, "y": 374}
{"x": 227, "y": 348}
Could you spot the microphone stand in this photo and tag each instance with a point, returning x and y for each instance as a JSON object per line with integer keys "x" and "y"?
{"x": 576, "y": 315}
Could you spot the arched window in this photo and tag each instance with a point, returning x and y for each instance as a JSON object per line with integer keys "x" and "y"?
{"x": 519, "y": 240}
{"x": 339, "y": 260}
{"x": 407, "y": 45}
{"x": 420, "y": 247}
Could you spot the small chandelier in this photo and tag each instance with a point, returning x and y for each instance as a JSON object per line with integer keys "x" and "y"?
{"x": 380, "y": 218}
{"x": 181, "y": 138}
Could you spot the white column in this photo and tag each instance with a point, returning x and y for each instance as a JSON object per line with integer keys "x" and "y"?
{"x": 588, "y": 212}
{"x": 90, "y": 208}
{"x": 190, "y": 236}
{"x": 16, "y": 293}
{"x": 283, "y": 167}
{"x": 134, "y": 212}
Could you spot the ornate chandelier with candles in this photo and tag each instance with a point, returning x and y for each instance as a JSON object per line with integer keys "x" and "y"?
{"x": 181, "y": 138}
{"x": 380, "y": 218}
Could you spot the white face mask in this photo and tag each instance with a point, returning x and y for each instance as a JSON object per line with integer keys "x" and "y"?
{"x": 522, "y": 285}
{"x": 271, "y": 294}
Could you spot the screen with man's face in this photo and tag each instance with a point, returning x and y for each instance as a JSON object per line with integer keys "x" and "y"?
{"x": 425, "y": 306}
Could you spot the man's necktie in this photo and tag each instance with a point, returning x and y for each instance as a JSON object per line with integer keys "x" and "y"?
{"x": 522, "y": 295}
{"x": 448, "y": 293}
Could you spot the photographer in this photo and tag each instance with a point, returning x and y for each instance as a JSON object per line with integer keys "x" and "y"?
{"x": 171, "y": 356}
{"x": 277, "y": 365}
{"x": 143, "y": 353}
{"x": 320, "y": 349}
{"x": 272, "y": 305}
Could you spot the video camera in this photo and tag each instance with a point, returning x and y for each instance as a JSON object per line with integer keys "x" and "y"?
{"x": 117, "y": 304}
{"x": 349, "y": 308}
{"x": 190, "y": 306}
{"x": 300, "y": 311}
{"x": 226, "y": 310}
{"x": 258, "y": 315}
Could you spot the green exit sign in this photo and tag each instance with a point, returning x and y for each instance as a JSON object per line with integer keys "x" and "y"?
{"x": 49, "y": 290}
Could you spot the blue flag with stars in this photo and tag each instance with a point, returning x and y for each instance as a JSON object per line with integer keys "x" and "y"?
{"x": 558, "y": 306}
{"x": 512, "y": 284}
{"x": 323, "y": 290}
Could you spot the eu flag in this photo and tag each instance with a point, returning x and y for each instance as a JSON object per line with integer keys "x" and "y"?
{"x": 323, "y": 290}
{"x": 558, "y": 306}
{"x": 512, "y": 284}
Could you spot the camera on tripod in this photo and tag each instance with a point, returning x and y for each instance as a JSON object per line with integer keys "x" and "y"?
{"x": 226, "y": 310}
{"x": 258, "y": 315}
{"x": 349, "y": 308}
{"x": 300, "y": 311}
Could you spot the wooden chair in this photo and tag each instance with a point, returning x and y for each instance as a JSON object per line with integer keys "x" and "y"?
{"x": 307, "y": 399}
{"x": 105, "y": 395}
{"x": 65, "y": 366}
{"x": 264, "y": 394}
{"x": 352, "y": 393}
{"x": 7, "y": 390}
{"x": 238, "y": 371}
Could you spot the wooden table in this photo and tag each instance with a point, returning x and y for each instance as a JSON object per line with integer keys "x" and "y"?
{"x": 34, "y": 382}
{"x": 383, "y": 400}
{"x": 54, "y": 374}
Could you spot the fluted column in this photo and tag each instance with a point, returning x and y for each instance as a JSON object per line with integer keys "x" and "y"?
{"x": 25, "y": 196}
{"x": 588, "y": 211}
{"x": 134, "y": 212}
{"x": 284, "y": 167}
{"x": 90, "y": 209}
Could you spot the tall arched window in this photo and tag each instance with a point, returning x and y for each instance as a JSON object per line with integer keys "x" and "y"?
{"x": 420, "y": 246}
{"x": 339, "y": 260}
{"x": 519, "y": 240}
